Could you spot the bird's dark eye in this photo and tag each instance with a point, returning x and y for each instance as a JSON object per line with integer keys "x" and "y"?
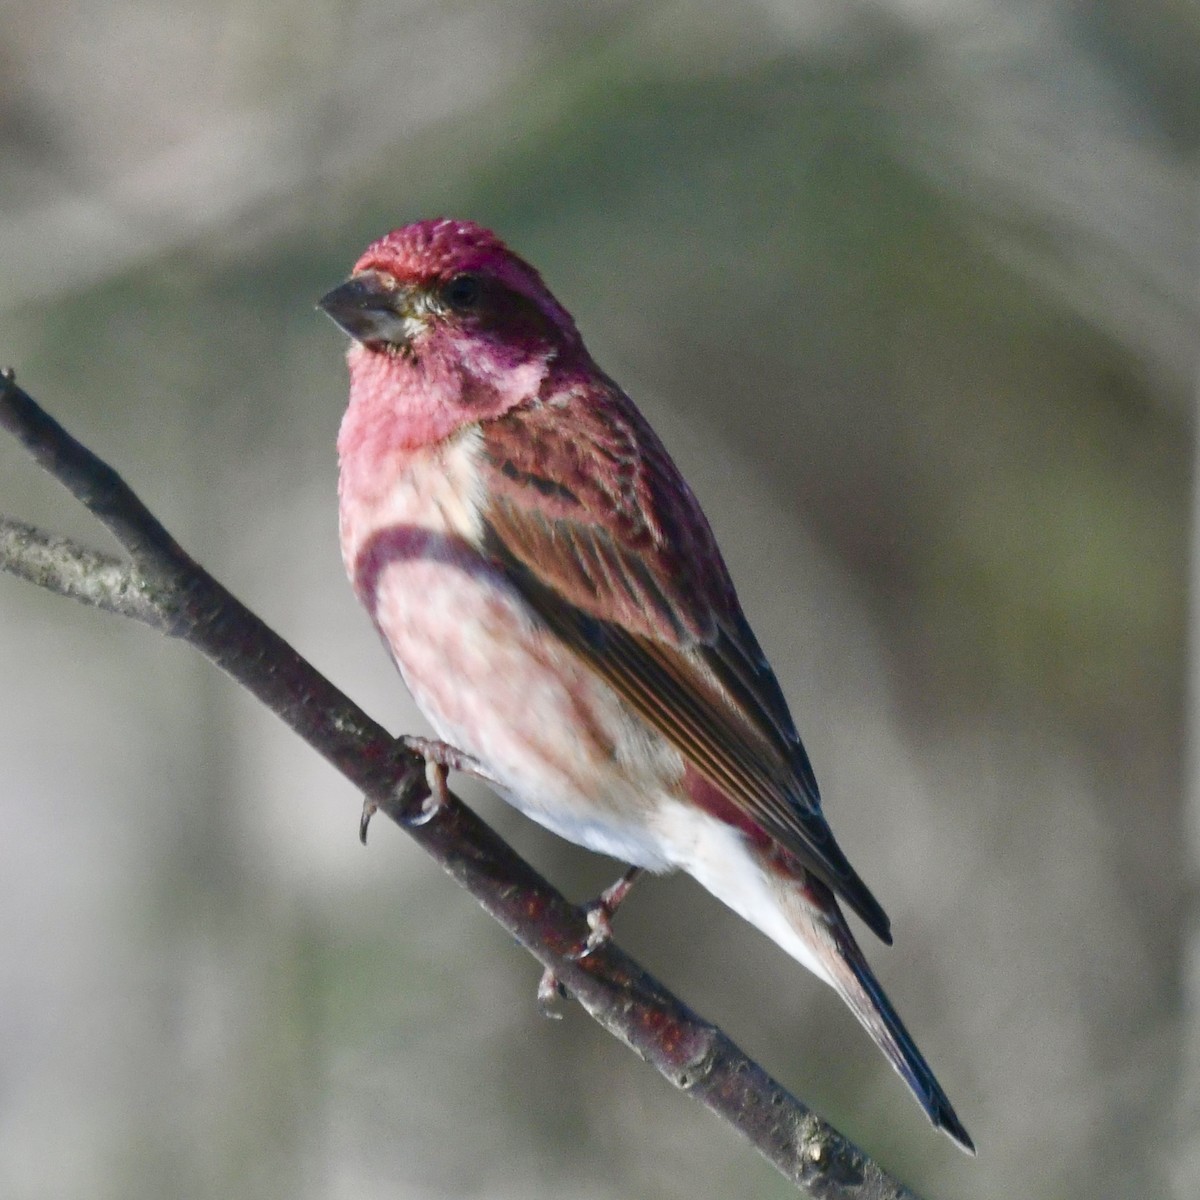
{"x": 463, "y": 292}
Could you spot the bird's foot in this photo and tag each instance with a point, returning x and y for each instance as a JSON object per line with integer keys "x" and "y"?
{"x": 438, "y": 798}
{"x": 600, "y": 912}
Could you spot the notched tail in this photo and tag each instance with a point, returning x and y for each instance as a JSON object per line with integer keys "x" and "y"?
{"x": 856, "y": 983}
{"x": 814, "y": 914}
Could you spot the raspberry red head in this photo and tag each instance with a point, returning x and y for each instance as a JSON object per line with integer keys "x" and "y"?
{"x": 432, "y": 253}
{"x": 450, "y": 327}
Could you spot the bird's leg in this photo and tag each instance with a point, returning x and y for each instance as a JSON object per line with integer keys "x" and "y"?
{"x": 600, "y": 911}
{"x": 450, "y": 757}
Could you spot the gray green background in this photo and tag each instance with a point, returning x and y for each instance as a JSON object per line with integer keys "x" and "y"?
{"x": 909, "y": 289}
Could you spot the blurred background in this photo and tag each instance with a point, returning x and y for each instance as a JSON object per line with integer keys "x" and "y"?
{"x": 909, "y": 288}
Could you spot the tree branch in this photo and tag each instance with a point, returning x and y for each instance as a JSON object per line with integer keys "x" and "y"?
{"x": 61, "y": 565}
{"x": 166, "y": 589}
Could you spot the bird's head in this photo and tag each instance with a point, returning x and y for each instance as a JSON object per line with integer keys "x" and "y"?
{"x": 449, "y": 326}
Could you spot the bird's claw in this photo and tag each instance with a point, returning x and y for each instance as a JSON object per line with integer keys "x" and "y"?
{"x": 369, "y": 809}
{"x": 438, "y": 798}
{"x": 599, "y": 914}
{"x": 439, "y": 795}
{"x": 549, "y": 993}
{"x": 599, "y": 919}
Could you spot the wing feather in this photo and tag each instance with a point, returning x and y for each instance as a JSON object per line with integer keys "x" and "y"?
{"x": 604, "y": 539}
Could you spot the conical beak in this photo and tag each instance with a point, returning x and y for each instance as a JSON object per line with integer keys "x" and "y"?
{"x": 370, "y": 308}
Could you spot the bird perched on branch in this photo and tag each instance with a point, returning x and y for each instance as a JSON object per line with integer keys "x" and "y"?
{"x": 557, "y": 605}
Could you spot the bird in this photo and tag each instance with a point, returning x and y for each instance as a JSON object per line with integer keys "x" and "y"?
{"x": 557, "y": 605}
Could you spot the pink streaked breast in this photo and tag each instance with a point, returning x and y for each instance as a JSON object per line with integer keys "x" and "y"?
{"x": 488, "y": 675}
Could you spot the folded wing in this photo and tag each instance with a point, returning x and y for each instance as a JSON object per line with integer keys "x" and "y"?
{"x": 605, "y": 540}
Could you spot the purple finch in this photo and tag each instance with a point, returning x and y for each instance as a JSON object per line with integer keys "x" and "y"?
{"x": 559, "y": 609}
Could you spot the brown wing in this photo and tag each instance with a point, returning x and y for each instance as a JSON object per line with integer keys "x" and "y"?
{"x": 592, "y": 521}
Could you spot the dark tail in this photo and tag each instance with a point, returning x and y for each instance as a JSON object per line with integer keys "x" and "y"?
{"x": 857, "y": 985}
{"x": 826, "y": 944}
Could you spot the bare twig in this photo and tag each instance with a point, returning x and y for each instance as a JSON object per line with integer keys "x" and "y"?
{"x": 61, "y": 565}
{"x": 163, "y": 587}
